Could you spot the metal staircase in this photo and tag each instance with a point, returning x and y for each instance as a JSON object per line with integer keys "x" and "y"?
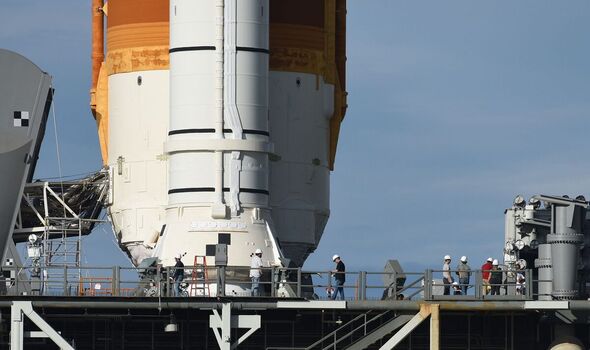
{"x": 379, "y": 333}
{"x": 361, "y": 331}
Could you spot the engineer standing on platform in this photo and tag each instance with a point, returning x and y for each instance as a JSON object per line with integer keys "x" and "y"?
{"x": 464, "y": 273}
{"x": 447, "y": 278}
{"x": 485, "y": 275}
{"x": 339, "y": 276}
{"x": 178, "y": 274}
{"x": 256, "y": 272}
{"x": 495, "y": 278}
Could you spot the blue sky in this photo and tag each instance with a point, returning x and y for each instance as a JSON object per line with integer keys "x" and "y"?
{"x": 455, "y": 107}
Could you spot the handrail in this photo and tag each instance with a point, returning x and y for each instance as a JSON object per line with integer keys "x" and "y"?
{"x": 331, "y": 334}
{"x": 364, "y": 326}
{"x": 284, "y": 282}
{"x": 411, "y": 285}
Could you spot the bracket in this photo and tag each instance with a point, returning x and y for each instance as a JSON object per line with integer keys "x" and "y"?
{"x": 226, "y": 322}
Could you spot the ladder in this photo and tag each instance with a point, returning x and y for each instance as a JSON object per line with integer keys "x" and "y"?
{"x": 200, "y": 278}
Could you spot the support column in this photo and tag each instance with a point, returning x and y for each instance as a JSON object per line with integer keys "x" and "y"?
{"x": 225, "y": 327}
{"x": 16, "y": 328}
{"x": 434, "y": 327}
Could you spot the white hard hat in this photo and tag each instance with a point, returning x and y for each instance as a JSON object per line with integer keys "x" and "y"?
{"x": 258, "y": 251}
{"x": 336, "y": 256}
{"x": 455, "y": 283}
{"x": 490, "y": 259}
{"x": 447, "y": 257}
{"x": 495, "y": 262}
{"x": 464, "y": 258}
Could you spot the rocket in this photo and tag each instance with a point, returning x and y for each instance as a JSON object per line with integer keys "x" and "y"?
{"x": 218, "y": 122}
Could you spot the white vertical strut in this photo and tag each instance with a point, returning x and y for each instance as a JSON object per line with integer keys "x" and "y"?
{"x": 218, "y": 208}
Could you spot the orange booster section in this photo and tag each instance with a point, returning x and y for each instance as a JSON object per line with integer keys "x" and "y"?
{"x": 305, "y": 36}
{"x": 137, "y": 36}
{"x": 130, "y": 101}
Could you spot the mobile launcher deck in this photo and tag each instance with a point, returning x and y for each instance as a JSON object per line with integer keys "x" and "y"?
{"x": 294, "y": 323}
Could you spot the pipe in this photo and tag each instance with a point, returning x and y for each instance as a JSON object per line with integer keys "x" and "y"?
{"x": 231, "y": 104}
{"x": 458, "y": 306}
{"x": 399, "y": 305}
{"x": 76, "y": 303}
{"x": 219, "y": 49}
{"x": 402, "y": 305}
{"x": 97, "y": 47}
{"x": 230, "y": 73}
{"x": 579, "y": 305}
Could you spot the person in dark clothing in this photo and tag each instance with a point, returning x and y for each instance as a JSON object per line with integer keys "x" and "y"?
{"x": 486, "y": 268}
{"x": 178, "y": 275}
{"x": 339, "y": 276}
{"x": 495, "y": 278}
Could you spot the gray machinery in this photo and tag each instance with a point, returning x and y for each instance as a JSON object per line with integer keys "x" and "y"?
{"x": 25, "y": 99}
{"x": 394, "y": 278}
{"x": 551, "y": 234}
{"x": 33, "y": 213}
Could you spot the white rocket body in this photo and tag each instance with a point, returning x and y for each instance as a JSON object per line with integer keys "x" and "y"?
{"x": 218, "y": 141}
{"x": 211, "y": 151}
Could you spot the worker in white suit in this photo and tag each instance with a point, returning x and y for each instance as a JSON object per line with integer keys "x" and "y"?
{"x": 256, "y": 272}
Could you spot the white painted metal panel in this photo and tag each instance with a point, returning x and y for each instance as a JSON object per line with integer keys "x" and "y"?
{"x": 138, "y": 125}
{"x": 300, "y": 112}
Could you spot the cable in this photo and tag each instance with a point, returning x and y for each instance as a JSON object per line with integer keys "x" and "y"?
{"x": 57, "y": 150}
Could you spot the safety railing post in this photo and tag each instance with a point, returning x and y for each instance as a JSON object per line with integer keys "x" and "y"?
{"x": 168, "y": 282}
{"x": 478, "y": 285}
{"x": 394, "y": 285}
{"x": 16, "y": 280}
{"x": 428, "y": 284}
{"x": 65, "y": 280}
{"x": 299, "y": 282}
{"x": 528, "y": 284}
{"x": 363, "y": 285}
{"x": 116, "y": 281}
{"x": 159, "y": 281}
{"x": 221, "y": 281}
{"x": 273, "y": 280}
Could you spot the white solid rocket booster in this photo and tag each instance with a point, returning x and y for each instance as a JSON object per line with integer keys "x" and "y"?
{"x": 218, "y": 142}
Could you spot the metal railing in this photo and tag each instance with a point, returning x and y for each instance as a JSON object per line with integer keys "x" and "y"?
{"x": 115, "y": 281}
